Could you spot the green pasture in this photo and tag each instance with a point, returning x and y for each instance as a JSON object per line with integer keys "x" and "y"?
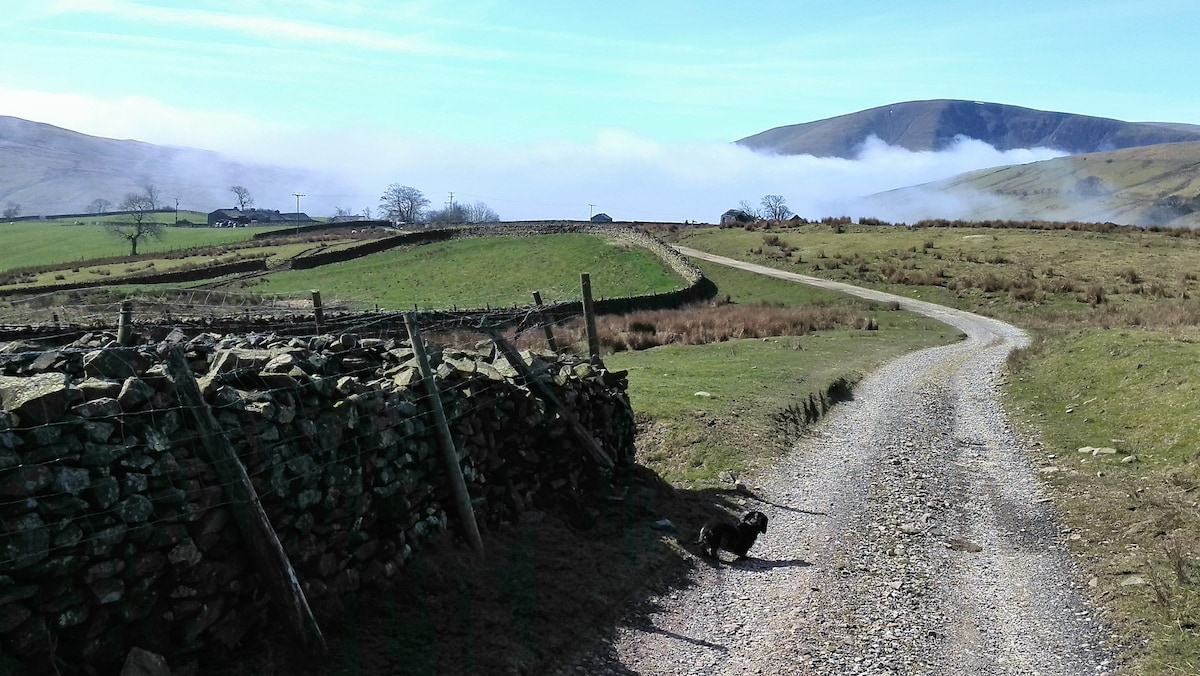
{"x": 476, "y": 273}
{"x": 35, "y": 243}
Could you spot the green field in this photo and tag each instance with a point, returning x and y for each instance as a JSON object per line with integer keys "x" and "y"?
{"x": 477, "y": 273}
{"x": 35, "y": 243}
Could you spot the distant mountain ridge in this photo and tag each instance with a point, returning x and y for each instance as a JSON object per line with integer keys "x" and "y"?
{"x": 49, "y": 170}
{"x": 935, "y": 124}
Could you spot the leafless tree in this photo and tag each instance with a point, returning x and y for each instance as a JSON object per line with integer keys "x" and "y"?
{"x": 402, "y": 203}
{"x": 137, "y": 227}
{"x": 12, "y": 210}
{"x": 480, "y": 213}
{"x": 751, "y": 211}
{"x": 99, "y": 206}
{"x": 775, "y": 208}
{"x": 151, "y": 193}
{"x": 242, "y": 196}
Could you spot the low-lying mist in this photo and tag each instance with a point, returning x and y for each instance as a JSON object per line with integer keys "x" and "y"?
{"x": 633, "y": 178}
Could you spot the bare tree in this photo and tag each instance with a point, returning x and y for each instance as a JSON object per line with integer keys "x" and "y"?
{"x": 752, "y": 212}
{"x": 12, "y": 210}
{"x": 342, "y": 214}
{"x": 366, "y": 212}
{"x": 402, "y": 203}
{"x": 99, "y": 206}
{"x": 453, "y": 213}
{"x": 480, "y": 213}
{"x": 775, "y": 208}
{"x": 151, "y": 193}
{"x": 133, "y": 230}
{"x": 242, "y": 196}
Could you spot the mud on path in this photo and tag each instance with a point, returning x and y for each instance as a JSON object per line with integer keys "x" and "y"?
{"x": 940, "y": 553}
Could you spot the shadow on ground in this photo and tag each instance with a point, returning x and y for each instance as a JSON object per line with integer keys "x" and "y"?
{"x": 547, "y": 588}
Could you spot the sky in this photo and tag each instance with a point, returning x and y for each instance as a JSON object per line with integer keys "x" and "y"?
{"x": 548, "y": 109}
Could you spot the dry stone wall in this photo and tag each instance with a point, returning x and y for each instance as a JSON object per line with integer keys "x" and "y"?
{"x": 116, "y": 532}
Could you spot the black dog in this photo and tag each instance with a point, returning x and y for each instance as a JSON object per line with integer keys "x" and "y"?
{"x": 737, "y": 538}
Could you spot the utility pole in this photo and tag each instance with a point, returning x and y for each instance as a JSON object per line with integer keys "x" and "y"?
{"x": 298, "y": 195}
{"x": 591, "y": 209}
{"x": 176, "y": 211}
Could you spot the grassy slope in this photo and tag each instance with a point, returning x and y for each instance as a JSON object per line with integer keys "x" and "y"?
{"x": 1137, "y": 178}
{"x": 499, "y": 272}
{"x": 1124, "y": 369}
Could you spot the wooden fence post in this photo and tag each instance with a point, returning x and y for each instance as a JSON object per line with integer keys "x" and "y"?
{"x": 124, "y": 324}
{"x": 537, "y": 300}
{"x": 318, "y": 312}
{"x": 449, "y": 453}
{"x": 589, "y": 319}
{"x": 257, "y": 533}
{"x": 543, "y": 392}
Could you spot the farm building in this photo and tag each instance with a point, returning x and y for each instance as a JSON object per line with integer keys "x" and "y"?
{"x": 602, "y": 218}
{"x": 735, "y": 217}
{"x": 241, "y": 217}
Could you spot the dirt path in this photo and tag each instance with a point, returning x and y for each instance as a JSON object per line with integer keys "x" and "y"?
{"x": 940, "y": 554}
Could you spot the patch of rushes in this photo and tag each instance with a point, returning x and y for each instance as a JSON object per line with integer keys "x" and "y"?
{"x": 483, "y": 272}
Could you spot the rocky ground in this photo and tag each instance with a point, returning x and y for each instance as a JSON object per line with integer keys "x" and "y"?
{"x": 937, "y": 553}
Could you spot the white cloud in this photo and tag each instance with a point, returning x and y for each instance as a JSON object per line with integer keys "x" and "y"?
{"x": 625, "y": 175}
{"x": 268, "y": 27}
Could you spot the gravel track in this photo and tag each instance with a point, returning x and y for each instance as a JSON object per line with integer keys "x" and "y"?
{"x": 940, "y": 553}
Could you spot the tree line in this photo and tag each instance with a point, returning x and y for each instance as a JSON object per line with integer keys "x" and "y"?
{"x": 406, "y": 204}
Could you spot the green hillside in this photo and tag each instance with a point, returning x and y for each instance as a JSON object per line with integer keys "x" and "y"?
{"x": 1151, "y": 185}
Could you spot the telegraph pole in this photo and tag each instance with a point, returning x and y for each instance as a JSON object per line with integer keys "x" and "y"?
{"x": 298, "y": 195}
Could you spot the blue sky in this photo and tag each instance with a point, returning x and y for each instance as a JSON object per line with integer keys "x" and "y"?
{"x": 411, "y": 92}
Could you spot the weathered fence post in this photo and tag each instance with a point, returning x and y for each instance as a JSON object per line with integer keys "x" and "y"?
{"x": 124, "y": 324}
{"x": 537, "y": 300}
{"x": 259, "y": 536}
{"x": 449, "y": 453}
{"x": 589, "y": 319}
{"x": 318, "y": 312}
{"x": 542, "y": 391}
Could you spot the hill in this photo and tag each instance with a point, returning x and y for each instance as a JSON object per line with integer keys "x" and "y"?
{"x": 1151, "y": 185}
{"x": 933, "y": 125}
{"x": 50, "y": 170}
